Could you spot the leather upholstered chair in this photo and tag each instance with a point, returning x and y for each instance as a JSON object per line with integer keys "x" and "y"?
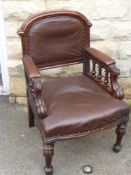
{"x": 69, "y": 107}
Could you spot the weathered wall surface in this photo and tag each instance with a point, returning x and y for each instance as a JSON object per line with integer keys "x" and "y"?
{"x": 111, "y": 33}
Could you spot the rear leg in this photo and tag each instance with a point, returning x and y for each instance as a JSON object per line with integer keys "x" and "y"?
{"x": 120, "y": 131}
{"x": 31, "y": 118}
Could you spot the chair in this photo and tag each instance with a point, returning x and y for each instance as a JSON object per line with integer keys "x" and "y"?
{"x": 76, "y": 106}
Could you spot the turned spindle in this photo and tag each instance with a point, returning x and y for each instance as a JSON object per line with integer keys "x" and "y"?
{"x": 106, "y": 80}
{"x": 99, "y": 73}
{"x": 94, "y": 69}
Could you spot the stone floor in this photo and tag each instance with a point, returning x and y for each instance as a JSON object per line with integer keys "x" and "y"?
{"x": 21, "y": 149}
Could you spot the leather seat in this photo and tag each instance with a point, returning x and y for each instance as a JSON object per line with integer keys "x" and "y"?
{"x": 77, "y": 104}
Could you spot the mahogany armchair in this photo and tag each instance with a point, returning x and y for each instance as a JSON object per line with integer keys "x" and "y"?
{"x": 75, "y": 106}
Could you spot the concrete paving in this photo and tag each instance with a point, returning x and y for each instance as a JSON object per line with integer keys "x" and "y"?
{"x": 21, "y": 149}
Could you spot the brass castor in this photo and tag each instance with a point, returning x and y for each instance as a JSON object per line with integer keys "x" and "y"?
{"x": 117, "y": 148}
{"x": 48, "y": 171}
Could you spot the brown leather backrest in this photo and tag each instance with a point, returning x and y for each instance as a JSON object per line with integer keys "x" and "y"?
{"x": 55, "y": 38}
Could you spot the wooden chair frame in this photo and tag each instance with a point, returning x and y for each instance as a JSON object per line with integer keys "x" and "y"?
{"x": 101, "y": 64}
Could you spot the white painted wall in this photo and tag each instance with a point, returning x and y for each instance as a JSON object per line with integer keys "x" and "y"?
{"x": 3, "y": 56}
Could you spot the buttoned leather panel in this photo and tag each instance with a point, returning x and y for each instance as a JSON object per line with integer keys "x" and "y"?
{"x": 77, "y": 104}
{"x": 57, "y": 39}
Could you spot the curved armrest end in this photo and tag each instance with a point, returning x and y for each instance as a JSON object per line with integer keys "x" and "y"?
{"x": 36, "y": 91}
{"x": 114, "y": 72}
{"x": 39, "y": 101}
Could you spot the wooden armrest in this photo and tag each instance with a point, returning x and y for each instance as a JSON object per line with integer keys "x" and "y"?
{"x": 35, "y": 86}
{"x": 106, "y": 74}
{"x": 30, "y": 67}
{"x": 99, "y": 56}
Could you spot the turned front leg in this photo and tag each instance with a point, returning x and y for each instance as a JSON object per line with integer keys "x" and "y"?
{"x": 48, "y": 152}
{"x": 120, "y": 131}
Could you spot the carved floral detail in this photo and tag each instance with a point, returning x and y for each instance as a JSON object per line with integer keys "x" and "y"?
{"x": 35, "y": 87}
{"x": 114, "y": 72}
{"x": 48, "y": 149}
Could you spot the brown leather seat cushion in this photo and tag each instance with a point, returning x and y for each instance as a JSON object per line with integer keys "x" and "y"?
{"x": 77, "y": 104}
